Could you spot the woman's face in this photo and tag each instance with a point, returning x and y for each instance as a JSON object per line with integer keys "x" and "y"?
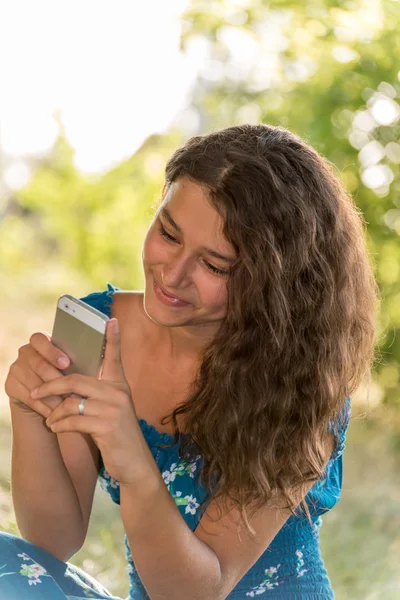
{"x": 177, "y": 259}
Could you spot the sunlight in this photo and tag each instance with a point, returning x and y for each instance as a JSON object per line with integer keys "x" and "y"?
{"x": 111, "y": 73}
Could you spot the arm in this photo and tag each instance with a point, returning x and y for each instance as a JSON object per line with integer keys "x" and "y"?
{"x": 171, "y": 560}
{"x": 45, "y": 502}
{"x": 53, "y": 475}
{"x": 174, "y": 562}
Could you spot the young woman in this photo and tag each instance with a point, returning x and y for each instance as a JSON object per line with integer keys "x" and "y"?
{"x": 256, "y": 324}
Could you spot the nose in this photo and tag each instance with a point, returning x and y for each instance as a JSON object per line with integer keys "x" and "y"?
{"x": 177, "y": 273}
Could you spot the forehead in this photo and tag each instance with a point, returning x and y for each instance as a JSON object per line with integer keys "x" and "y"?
{"x": 191, "y": 200}
{"x": 191, "y": 210}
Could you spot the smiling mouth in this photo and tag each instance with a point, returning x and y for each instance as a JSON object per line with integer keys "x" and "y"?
{"x": 170, "y": 295}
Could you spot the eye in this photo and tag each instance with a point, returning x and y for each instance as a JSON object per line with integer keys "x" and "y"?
{"x": 215, "y": 270}
{"x": 169, "y": 238}
{"x": 165, "y": 234}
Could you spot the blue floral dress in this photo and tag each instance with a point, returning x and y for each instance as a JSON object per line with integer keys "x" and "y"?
{"x": 290, "y": 569}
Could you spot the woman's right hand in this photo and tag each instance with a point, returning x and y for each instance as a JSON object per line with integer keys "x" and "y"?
{"x": 36, "y": 363}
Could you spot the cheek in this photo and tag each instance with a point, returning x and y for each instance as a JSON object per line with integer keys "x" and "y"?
{"x": 152, "y": 247}
{"x": 214, "y": 294}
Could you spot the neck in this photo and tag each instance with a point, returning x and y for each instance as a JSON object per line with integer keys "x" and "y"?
{"x": 183, "y": 345}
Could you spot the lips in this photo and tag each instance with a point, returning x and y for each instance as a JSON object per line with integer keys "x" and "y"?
{"x": 170, "y": 295}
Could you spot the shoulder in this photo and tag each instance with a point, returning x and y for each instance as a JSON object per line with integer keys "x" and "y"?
{"x": 135, "y": 325}
{"x": 125, "y": 305}
{"x": 126, "y": 301}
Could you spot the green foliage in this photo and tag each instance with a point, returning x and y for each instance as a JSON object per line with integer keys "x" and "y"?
{"x": 325, "y": 70}
{"x": 359, "y": 538}
{"x": 328, "y": 71}
{"x": 91, "y": 226}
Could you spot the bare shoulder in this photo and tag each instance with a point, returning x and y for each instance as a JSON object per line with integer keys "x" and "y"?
{"x": 124, "y": 299}
{"x": 127, "y": 307}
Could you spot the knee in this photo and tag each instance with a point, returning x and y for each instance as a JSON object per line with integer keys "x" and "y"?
{"x": 12, "y": 540}
{"x": 7, "y": 537}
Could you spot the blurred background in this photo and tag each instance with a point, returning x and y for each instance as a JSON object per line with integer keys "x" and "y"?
{"x": 95, "y": 96}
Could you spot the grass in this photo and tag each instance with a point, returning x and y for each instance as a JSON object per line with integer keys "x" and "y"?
{"x": 360, "y": 539}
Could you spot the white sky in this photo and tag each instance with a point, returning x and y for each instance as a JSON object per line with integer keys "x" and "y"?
{"x": 111, "y": 67}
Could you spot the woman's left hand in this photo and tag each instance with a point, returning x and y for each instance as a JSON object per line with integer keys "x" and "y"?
{"x": 109, "y": 413}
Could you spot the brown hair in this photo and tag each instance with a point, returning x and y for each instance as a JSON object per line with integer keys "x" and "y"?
{"x": 299, "y": 333}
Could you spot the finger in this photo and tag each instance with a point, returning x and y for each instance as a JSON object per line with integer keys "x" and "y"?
{"x": 77, "y": 423}
{"x": 29, "y": 380}
{"x": 21, "y": 398}
{"x": 40, "y": 365}
{"x": 70, "y": 407}
{"x": 112, "y": 363}
{"x": 76, "y": 383}
{"x": 41, "y": 341}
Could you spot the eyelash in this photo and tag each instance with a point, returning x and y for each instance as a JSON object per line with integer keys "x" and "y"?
{"x": 169, "y": 238}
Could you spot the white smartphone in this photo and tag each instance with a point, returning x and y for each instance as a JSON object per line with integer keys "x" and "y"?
{"x": 80, "y": 331}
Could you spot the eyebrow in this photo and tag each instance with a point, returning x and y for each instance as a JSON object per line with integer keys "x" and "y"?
{"x": 165, "y": 213}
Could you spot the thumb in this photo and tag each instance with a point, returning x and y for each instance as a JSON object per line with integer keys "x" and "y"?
{"x": 112, "y": 364}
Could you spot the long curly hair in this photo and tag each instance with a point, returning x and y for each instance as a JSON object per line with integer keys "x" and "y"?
{"x": 300, "y": 326}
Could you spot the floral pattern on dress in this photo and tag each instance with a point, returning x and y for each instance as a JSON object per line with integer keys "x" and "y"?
{"x": 271, "y": 580}
{"x": 269, "y": 583}
{"x": 106, "y": 481}
{"x": 33, "y": 572}
{"x": 316, "y": 526}
{"x": 179, "y": 470}
{"x": 300, "y": 563}
{"x": 93, "y": 587}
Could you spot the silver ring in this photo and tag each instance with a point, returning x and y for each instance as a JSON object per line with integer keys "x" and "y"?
{"x": 81, "y": 405}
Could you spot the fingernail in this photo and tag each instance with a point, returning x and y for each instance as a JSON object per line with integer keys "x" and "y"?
{"x": 63, "y": 361}
{"x": 116, "y": 326}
